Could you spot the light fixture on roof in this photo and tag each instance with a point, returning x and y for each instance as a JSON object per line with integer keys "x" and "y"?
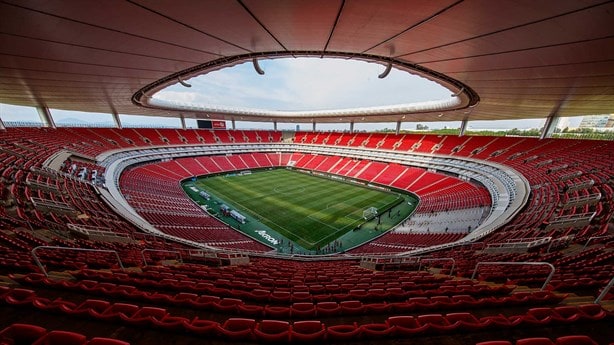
{"x": 183, "y": 82}
{"x": 440, "y": 115}
{"x": 257, "y": 67}
{"x": 402, "y": 117}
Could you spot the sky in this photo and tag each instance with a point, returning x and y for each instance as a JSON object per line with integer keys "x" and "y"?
{"x": 290, "y": 84}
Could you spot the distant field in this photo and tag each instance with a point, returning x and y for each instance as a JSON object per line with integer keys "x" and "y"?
{"x": 309, "y": 210}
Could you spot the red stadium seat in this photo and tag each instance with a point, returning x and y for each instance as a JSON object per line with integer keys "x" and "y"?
{"x": 61, "y": 338}
{"x": 303, "y": 310}
{"x": 352, "y": 307}
{"x": 344, "y": 332}
{"x": 466, "y": 321}
{"x": 575, "y": 340}
{"x": 437, "y": 323}
{"x": 327, "y": 308}
{"x": 20, "y": 333}
{"x": 307, "y": 331}
{"x": 277, "y": 312}
{"x": 87, "y": 307}
{"x": 272, "y": 331}
{"x": 406, "y": 325}
{"x": 202, "y": 327}
{"x": 116, "y": 312}
{"x": 376, "y": 330}
{"x": 237, "y": 329}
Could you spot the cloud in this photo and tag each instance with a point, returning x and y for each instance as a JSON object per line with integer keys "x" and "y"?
{"x": 306, "y": 84}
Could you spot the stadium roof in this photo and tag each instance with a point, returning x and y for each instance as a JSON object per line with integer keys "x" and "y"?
{"x": 505, "y": 59}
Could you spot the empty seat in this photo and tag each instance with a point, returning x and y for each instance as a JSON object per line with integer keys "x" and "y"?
{"x": 61, "y": 338}
{"x": 465, "y": 321}
{"x": 307, "y": 331}
{"x": 327, "y": 308}
{"x": 87, "y": 307}
{"x": 575, "y": 340}
{"x": 144, "y": 316}
{"x": 272, "y": 331}
{"x": 437, "y": 322}
{"x": 376, "y": 330}
{"x": 303, "y": 310}
{"x": 116, "y": 312}
{"x": 352, "y": 307}
{"x": 277, "y": 312}
{"x": 21, "y": 333}
{"x": 237, "y": 329}
{"x": 406, "y": 325}
{"x": 344, "y": 332}
{"x": 201, "y": 326}
{"x": 19, "y": 296}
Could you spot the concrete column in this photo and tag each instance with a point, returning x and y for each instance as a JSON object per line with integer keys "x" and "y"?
{"x": 274, "y": 125}
{"x": 46, "y": 118}
{"x": 351, "y": 126}
{"x": 313, "y": 126}
{"x": 117, "y": 120}
{"x": 234, "y": 125}
{"x": 398, "y": 130}
{"x": 182, "y": 118}
{"x": 463, "y": 127}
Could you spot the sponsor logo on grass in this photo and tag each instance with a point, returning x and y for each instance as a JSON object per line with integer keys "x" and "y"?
{"x": 267, "y": 237}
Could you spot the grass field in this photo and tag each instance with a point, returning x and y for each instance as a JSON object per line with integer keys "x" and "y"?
{"x": 309, "y": 210}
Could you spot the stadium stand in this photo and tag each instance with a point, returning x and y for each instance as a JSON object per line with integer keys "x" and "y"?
{"x": 88, "y": 296}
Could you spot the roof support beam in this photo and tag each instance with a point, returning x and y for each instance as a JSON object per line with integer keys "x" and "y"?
{"x": 551, "y": 121}
{"x": 398, "y": 130}
{"x": 234, "y": 124}
{"x": 463, "y": 127}
{"x": 351, "y": 126}
{"x": 45, "y": 116}
{"x": 2, "y": 126}
{"x": 117, "y": 120}
{"x": 274, "y": 125}
{"x": 313, "y": 126}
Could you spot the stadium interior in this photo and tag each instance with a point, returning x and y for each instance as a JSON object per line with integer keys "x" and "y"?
{"x": 512, "y": 241}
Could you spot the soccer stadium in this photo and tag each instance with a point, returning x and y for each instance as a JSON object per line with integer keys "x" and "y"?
{"x": 286, "y": 231}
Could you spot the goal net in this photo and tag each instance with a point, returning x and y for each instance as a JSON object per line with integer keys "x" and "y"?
{"x": 369, "y": 213}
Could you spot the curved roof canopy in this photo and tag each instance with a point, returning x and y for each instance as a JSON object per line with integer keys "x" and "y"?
{"x": 505, "y": 59}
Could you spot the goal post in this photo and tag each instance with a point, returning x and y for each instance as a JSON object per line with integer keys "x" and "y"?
{"x": 369, "y": 213}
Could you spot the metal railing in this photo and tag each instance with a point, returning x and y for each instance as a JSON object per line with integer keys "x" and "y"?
{"x": 438, "y": 259}
{"x": 523, "y": 263}
{"x": 42, "y": 268}
{"x": 590, "y": 239}
{"x": 605, "y": 291}
{"x": 159, "y": 251}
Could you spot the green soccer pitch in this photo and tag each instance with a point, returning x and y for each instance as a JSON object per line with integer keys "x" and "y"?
{"x": 309, "y": 210}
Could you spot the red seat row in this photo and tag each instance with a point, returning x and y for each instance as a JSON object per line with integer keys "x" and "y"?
{"x": 21, "y": 333}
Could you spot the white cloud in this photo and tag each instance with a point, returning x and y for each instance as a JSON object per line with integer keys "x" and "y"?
{"x": 306, "y": 84}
